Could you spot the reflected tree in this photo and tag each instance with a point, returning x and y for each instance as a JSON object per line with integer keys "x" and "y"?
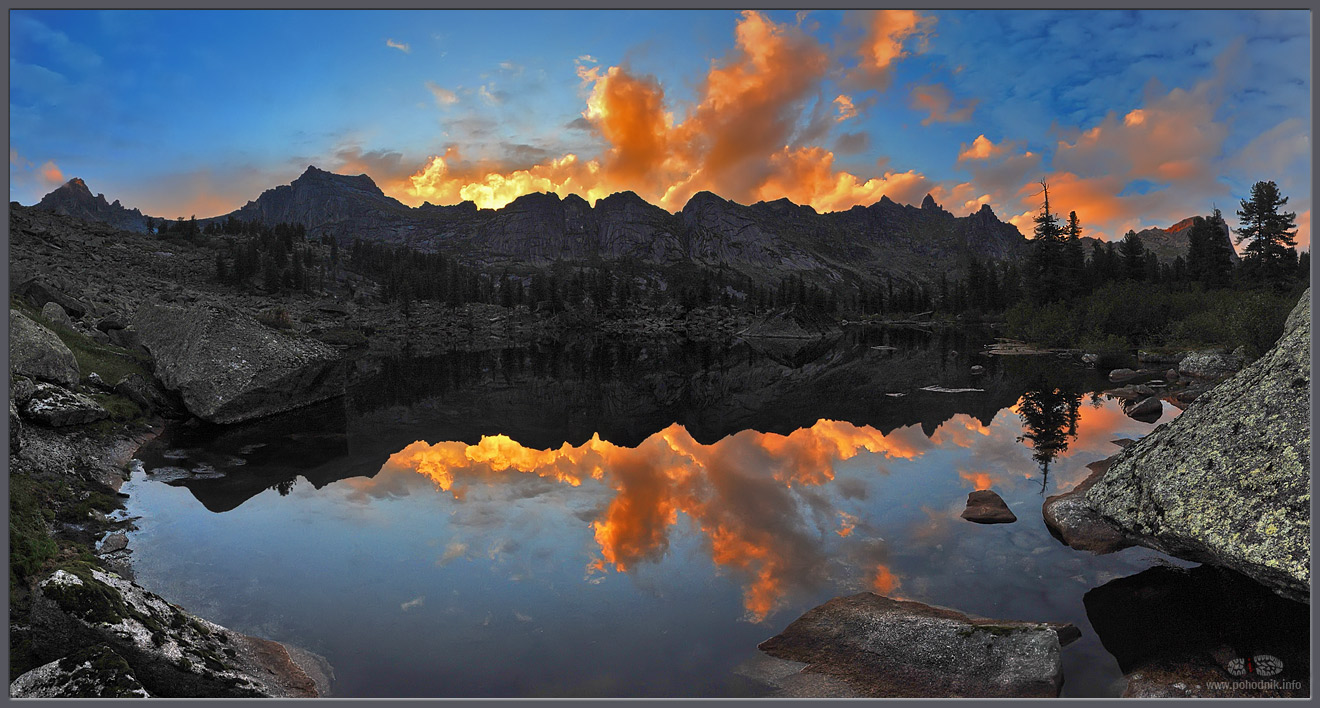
{"x": 1049, "y": 415}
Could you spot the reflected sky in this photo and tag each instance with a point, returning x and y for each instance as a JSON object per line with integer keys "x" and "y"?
{"x": 773, "y": 510}
{"x": 493, "y": 568}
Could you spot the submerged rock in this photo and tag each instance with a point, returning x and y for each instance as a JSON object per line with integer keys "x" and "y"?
{"x": 882, "y": 647}
{"x": 1228, "y": 481}
{"x": 986, "y": 507}
{"x": 36, "y": 352}
{"x": 92, "y": 672}
{"x": 57, "y": 407}
{"x": 1173, "y": 631}
{"x": 229, "y": 368}
{"x": 172, "y": 653}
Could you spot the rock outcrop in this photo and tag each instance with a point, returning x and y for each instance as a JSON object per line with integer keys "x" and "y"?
{"x": 890, "y": 648}
{"x": 37, "y": 352}
{"x": 57, "y": 407}
{"x": 170, "y": 652}
{"x": 228, "y": 367}
{"x": 93, "y": 672}
{"x": 1209, "y": 364}
{"x": 74, "y": 199}
{"x": 1228, "y": 481}
{"x": 1071, "y": 520}
{"x": 986, "y": 507}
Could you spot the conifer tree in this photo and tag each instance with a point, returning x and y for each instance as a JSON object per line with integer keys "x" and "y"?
{"x": 1270, "y": 233}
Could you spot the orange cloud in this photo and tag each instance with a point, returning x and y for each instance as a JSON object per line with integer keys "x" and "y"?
{"x": 937, "y": 102}
{"x": 980, "y": 149}
{"x": 884, "y": 581}
{"x": 734, "y": 140}
{"x": 888, "y": 33}
{"x": 979, "y": 480}
{"x": 51, "y": 173}
{"x": 846, "y": 108}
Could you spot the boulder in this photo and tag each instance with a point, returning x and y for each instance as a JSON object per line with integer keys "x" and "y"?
{"x": 145, "y": 392}
{"x": 36, "y": 352}
{"x": 1228, "y": 481}
{"x": 1121, "y": 375}
{"x": 56, "y": 315}
{"x": 883, "y": 647}
{"x": 986, "y": 507}
{"x": 1173, "y": 631}
{"x": 39, "y": 292}
{"x": 1210, "y": 364}
{"x": 227, "y": 367}
{"x": 172, "y": 653}
{"x": 1146, "y": 410}
{"x": 1074, "y": 523}
{"x": 15, "y": 430}
{"x": 57, "y": 407}
{"x": 106, "y": 324}
{"x": 126, "y": 338}
{"x": 92, "y": 672}
{"x": 1160, "y": 357}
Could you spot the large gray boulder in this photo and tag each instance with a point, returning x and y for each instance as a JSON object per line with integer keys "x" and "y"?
{"x": 882, "y": 647}
{"x": 227, "y": 367}
{"x": 170, "y": 652}
{"x": 36, "y": 352}
{"x": 1228, "y": 481}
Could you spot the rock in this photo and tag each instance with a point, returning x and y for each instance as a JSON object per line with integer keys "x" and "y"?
{"x": 56, "y": 315}
{"x": 228, "y": 367}
{"x": 146, "y": 393}
{"x": 977, "y": 370}
{"x": 1209, "y": 364}
{"x": 92, "y": 672}
{"x": 21, "y": 389}
{"x": 127, "y": 338}
{"x": 106, "y": 324}
{"x": 1175, "y": 630}
{"x": 15, "y": 429}
{"x": 1121, "y": 375}
{"x": 36, "y": 352}
{"x": 56, "y": 407}
{"x": 1171, "y": 375}
{"x": 94, "y": 379}
{"x": 113, "y": 543}
{"x": 172, "y": 653}
{"x": 883, "y": 647}
{"x": 1146, "y": 410}
{"x": 1228, "y": 481}
{"x": 1090, "y": 359}
{"x": 1131, "y": 392}
{"x": 986, "y": 507}
{"x": 39, "y": 292}
{"x": 1074, "y": 523}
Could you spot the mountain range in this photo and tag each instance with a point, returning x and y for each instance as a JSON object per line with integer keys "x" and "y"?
{"x": 765, "y": 239}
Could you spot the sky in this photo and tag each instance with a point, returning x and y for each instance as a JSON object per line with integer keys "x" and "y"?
{"x": 1134, "y": 119}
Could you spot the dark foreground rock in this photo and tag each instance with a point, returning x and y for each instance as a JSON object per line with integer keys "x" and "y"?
{"x": 170, "y": 652}
{"x": 1146, "y": 410}
{"x": 228, "y": 367}
{"x": 881, "y": 647}
{"x": 986, "y": 507}
{"x": 1228, "y": 481}
{"x": 36, "y": 352}
{"x": 1179, "y": 632}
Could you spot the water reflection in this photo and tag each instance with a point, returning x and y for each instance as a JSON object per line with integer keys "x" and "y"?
{"x": 1049, "y": 419}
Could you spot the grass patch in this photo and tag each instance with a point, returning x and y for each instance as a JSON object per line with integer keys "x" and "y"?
{"x": 30, "y": 543}
{"x": 111, "y": 363}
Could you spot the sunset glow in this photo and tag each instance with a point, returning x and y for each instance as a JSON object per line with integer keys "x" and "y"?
{"x": 1132, "y": 126}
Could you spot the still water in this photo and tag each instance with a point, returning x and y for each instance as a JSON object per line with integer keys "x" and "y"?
{"x": 619, "y": 519}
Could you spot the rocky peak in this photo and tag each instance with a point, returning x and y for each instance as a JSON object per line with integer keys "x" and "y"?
{"x": 929, "y": 203}
{"x": 74, "y": 198}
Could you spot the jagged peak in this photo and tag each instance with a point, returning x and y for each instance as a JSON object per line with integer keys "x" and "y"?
{"x": 76, "y": 184}
{"x": 929, "y": 203}
{"x": 986, "y": 210}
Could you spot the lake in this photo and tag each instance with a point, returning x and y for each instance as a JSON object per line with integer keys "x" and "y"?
{"x": 611, "y": 518}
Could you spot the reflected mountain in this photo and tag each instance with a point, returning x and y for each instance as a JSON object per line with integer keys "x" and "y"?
{"x": 568, "y": 391}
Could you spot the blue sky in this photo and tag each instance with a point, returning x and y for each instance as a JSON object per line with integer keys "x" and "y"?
{"x": 1135, "y": 118}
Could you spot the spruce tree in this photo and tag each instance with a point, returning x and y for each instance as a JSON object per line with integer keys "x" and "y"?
{"x": 1133, "y": 253}
{"x": 1045, "y": 264}
{"x": 1269, "y": 233}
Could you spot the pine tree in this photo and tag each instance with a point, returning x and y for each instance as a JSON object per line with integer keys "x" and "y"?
{"x": 1133, "y": 253}
{"x": 1045, "y": 275}
{"x": 1074, "y": 258}
{"x": 1270, "y": 233}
